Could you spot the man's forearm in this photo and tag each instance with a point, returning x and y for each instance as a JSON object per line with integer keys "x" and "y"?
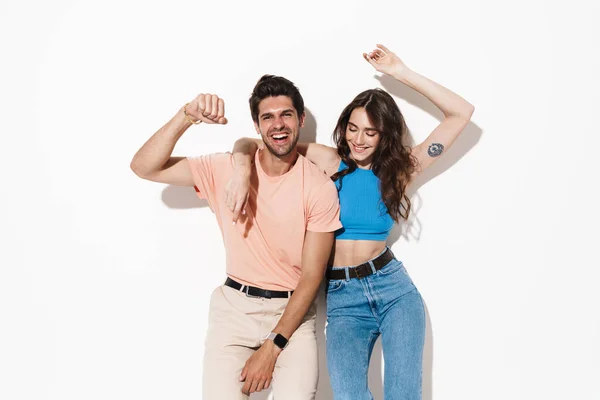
{"x": 317, "y": 247}
{"x": 155, "y": 153}
{"x": 299, "y": 303}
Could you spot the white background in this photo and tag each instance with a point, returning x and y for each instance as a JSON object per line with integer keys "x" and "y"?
{"x": 105, "y": 278}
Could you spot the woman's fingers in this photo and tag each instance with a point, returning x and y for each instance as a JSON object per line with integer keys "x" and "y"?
{"x": 238, "y": 209}
{"x": 382, "y": 47}
{"x": 369, "y": 59}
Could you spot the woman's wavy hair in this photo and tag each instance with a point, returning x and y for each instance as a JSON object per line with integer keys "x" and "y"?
{"x": 392, "y": 161}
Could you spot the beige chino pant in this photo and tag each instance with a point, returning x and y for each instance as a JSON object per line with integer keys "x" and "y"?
{"x": 237, "y": 326}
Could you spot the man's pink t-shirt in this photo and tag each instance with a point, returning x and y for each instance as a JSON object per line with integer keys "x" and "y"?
{"x": 264, "y": 248}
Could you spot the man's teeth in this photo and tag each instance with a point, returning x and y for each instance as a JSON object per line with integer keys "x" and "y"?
{"x": 279, "y": 136}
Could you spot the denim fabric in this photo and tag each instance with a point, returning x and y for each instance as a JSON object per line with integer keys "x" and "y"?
{"x": 385, "y": 303}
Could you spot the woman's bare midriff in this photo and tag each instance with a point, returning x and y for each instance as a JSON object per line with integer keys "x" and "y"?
{"x": 355, "y": 252}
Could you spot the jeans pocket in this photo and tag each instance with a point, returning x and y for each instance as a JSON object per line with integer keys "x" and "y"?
{"x": 392, "y": 267}
{"x": 335, "y": 285}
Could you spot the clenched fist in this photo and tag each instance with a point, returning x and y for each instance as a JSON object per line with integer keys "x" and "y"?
{"x": 207, "y": 108}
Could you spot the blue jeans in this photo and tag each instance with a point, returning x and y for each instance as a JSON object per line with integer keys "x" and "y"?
{"x": 385, "y": 303}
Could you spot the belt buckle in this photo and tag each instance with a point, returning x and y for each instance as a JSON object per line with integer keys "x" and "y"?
{"x": 247, "y": 292}
{"x": 359, "y": 273}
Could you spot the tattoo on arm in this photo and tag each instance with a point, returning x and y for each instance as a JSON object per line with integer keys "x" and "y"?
{"x": 435, "y": 149}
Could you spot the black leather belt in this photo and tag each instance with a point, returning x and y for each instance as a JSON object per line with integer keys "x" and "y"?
{"x": 258, "y": 292}
{"x": 362, "y": 270}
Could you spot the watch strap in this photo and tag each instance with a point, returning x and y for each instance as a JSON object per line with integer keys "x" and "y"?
{"x": 278, "y": 339}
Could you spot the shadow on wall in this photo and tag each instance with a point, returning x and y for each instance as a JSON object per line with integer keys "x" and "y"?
{"x": 324, "y": 391}
{"x": 427, "y": 385}
{"x": 411, "y": 229}
{"x": 182, "y": 197}
{"x": 308, "y": 134}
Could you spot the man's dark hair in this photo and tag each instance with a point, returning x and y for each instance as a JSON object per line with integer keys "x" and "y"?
{"x": 271, "y": 86}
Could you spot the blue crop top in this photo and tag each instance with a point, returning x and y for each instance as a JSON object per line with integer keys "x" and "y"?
{"x": 362, "y": 211}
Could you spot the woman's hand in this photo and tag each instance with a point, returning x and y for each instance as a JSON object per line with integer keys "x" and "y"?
{"x": 385, "y": 61}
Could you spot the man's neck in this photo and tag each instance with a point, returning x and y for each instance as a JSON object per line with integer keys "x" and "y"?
{"x": 276, "y": 166}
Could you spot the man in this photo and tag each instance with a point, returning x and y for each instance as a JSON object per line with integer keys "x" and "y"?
{"x": 258, "y": 331}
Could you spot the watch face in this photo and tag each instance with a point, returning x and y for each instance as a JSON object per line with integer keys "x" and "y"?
{"x": 280, "y": 341}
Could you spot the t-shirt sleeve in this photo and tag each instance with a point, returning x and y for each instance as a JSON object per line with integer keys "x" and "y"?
{"x": 324, "y": 209}
{"x": 209, "y": 172}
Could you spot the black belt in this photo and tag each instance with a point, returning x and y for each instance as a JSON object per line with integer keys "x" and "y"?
{"x": 362, "y": 270}
{"x": 258, "y": 292}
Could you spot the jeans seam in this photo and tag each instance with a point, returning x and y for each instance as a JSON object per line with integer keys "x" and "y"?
{"x": 370, "y": 300}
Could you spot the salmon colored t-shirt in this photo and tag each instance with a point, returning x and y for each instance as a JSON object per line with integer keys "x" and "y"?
{"x": 264, "y": 248}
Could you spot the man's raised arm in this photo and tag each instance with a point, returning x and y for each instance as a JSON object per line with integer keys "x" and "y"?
{"x": 153, "y": 161}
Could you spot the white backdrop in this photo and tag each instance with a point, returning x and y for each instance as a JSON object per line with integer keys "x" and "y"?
{"x": 105, "y": 278}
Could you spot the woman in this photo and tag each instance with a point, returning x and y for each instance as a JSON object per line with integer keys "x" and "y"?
{"x": 369, "y": 291}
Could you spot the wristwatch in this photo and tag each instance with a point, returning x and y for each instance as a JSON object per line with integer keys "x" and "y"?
{"x": 279, "y": 340}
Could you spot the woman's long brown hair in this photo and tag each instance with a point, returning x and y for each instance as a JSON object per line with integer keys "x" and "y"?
{"x": 392, "y": 162}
